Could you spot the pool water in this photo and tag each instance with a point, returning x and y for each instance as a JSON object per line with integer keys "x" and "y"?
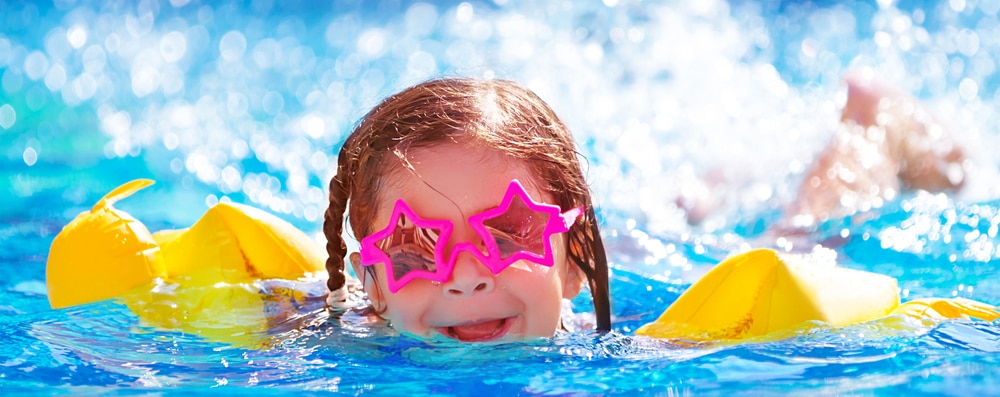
{"x": 249, "y": 103}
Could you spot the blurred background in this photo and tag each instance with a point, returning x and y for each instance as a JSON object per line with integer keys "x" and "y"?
{"x": 669, "y": 101}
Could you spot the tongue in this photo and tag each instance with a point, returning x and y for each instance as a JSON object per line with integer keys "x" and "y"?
{"x": 476, "y": 331}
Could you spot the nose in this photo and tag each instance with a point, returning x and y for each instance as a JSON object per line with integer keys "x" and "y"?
{"x": 469, "y": 277}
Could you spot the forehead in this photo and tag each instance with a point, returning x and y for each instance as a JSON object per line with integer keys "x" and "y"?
{"x": 454, "y": 180}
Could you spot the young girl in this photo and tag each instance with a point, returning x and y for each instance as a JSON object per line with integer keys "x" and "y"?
{"x": 450, "y": 151}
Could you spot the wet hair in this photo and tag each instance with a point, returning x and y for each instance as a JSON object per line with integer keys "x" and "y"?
{"x": 496, "y": 114}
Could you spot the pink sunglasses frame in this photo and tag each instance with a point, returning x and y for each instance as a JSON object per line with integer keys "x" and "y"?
{"x": 559, "y": 222}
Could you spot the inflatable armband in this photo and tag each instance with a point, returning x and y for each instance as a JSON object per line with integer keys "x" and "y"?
{"x": 101, "y": 254}
{"x": 216, "y": 278}
{"x": 762, "y": 292}
{"x": 759, "y": 292}
{"x": 236, "y": 243}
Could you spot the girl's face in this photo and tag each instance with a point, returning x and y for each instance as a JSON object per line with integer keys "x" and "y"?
{"x": 452, "y": 181}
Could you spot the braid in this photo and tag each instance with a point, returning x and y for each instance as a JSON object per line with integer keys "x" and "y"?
{"x": 333, "y": 226}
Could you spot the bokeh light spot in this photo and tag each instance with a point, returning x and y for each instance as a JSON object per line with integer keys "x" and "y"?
{"x": 420, "y": 19}
{"x": 30, "y": 156}
{"x": 36, "y": 65}
{"x": 232, "y": 46}
{"x": 5, "y": 51}
{"x": 56, "y": 77}
{"x": 7, "y": 116}
{"x": 464, "y": 12}
{"x": 372, "y": 43}
{"x": 77, "y": 36}
{"x": 313, "y": 126}
{"x": 173, "y": 46}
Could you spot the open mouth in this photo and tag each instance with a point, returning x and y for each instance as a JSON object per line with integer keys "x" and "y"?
{"x": 479, "y": 332}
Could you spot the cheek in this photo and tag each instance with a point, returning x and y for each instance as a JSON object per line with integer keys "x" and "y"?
{"x": 540, "y": 293}
{"x": 549, "y": 306}
{"x": 390, "y": 306}
{"x": 405, "y": 309}
{"x": 542, "y": 298}
{"x": 402, "y": 311}
{"x": 560, "y": 261}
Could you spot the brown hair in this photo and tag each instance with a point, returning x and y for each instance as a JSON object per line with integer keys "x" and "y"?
{"x": 499, "y": 114}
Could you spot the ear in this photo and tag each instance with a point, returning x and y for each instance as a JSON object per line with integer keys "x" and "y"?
{"x": 573, "y": 280}
{"x": 369, "y": 283}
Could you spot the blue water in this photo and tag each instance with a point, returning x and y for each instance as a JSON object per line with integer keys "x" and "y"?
{"x": 249, "y": 102}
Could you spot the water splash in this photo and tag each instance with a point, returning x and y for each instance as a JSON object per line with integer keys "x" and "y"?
{"x": 661, "y": 96}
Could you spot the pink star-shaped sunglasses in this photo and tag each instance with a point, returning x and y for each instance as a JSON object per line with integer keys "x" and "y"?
{"x": 519, "y": 228}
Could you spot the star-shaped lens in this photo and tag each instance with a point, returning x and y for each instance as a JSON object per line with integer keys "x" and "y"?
{"x": 405, "y": 244}
{"x": 530, "y": 222}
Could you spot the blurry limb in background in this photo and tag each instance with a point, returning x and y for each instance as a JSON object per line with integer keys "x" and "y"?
{"x": 700, "y": 197}
{"x": 886, "y": 142}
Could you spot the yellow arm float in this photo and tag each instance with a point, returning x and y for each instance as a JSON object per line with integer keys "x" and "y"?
{"x": 236, "y": 243}
{"x": 206, "y": 279}
{"x": 101, "y": 254}
{"x": 761, "y": 292}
